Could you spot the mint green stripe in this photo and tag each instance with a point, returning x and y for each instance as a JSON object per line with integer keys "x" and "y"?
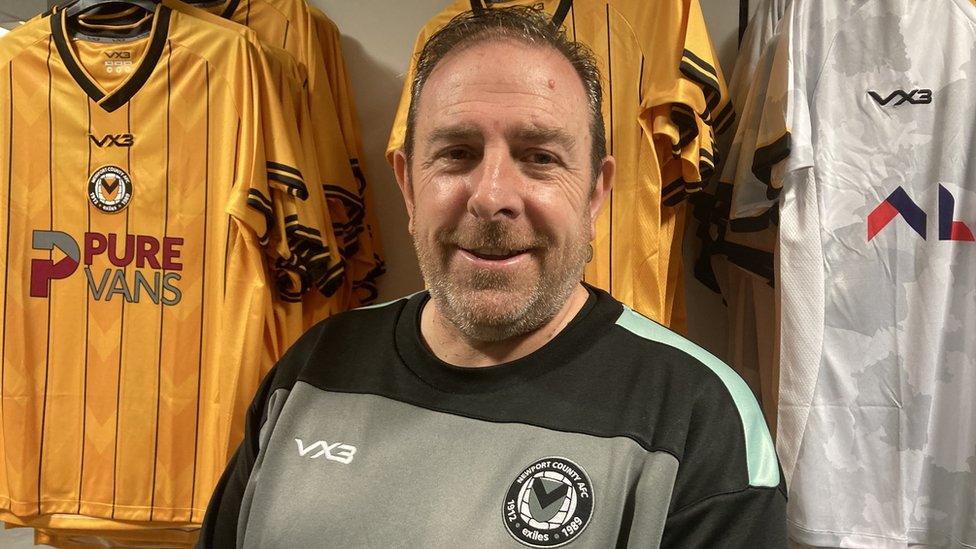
{"x": 760, "y": 452}
{"x": 378, "y": 305}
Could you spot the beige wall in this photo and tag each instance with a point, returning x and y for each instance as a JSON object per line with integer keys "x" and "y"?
{"x": 378, "y": 38}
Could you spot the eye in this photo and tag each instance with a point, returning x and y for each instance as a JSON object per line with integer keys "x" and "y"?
{"x": 457, "y": 154}
{"x": 541, "y": 158}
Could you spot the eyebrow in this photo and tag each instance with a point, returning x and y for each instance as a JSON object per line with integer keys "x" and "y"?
{"x": 538, "y": 136}
{"x": 528, "y": 135}
{"x": 458, "y": 132}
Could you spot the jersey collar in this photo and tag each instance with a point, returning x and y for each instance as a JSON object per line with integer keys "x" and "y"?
{"x": 110, "y": 101}
{"x": 589, "y": 325}
{"x": 558, "y": 16}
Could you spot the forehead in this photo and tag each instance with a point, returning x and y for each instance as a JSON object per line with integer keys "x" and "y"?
{"x": 504, "y": 84}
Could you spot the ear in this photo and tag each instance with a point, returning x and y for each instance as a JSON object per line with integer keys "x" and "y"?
{"x": 401, "y": 170}
{"x": 604, "y": 183}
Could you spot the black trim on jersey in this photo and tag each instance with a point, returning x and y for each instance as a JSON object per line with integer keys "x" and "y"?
{"x": 231, "y": 8}
{"x": 262, "y": 204}
{"x": 672, "y": 187}
{"x": 559, "y": 16}
{"x": 203, "y": 280}
{"x": 699, "y": 71}
{"x": 344, "y": 195}
{"x": 755, "y": 223}
{"x": 84, "y": 404}
{"x": 755, "y": 261}
{"x": 309, "y": 261}
{"x": 124, "y": 93}
{"x": 125, "y": 28}
{"x": 64, "y": 50}
{"x": 50, "y": 297}
{"x": 675, "y": 199}
{"x": 284, "y": 168}
{"x": 159, "y": 351}
{"x": 770, "y": 155}
{"x": 118, "y": 387}
{"x": 725, "y": 118}
{"x": 684, "y": 119}
{"x": 743, "y": 20}
{"x": 705, "y": 65}
{"x": 704, "y": 153}
{"x": 693, "y": 186}
{"x": 294, "y": 187}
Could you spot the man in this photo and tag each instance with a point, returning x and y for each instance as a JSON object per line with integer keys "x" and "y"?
{"x": 508, "y": 405}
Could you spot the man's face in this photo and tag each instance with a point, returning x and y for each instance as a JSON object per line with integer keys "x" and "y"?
{"x": 499, "y": 187}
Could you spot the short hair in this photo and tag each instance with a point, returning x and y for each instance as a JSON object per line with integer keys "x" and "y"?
{"x": 524, "y": 24}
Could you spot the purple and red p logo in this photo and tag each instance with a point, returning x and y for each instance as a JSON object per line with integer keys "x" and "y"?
{"x": 899, "y": 203}
{"x": 43, "y": 271}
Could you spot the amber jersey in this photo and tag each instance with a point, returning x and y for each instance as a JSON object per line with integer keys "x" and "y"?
{"x": 136, "y": 187}
{"x": 664, "y": 97}
{"x": 293, "y": 26}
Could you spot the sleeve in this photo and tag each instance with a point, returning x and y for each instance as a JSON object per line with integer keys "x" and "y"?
{"x": 775, "y": 136}
{"x": 398, "y": 133}
{"x": 336, "y": 140}
{"x": 748, "y": 197}
{"x": 762, "y": 26}
{"x": 685, "y": 101}
{"x": 753, "y": 517}
{"x": 729, "y": 490}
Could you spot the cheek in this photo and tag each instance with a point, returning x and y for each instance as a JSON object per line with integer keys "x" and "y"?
{"x": 559, "y": 215}
{"x": 437, "y": 205}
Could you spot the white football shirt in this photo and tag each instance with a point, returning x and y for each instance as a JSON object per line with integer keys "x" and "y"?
{"x": 865, "y": 132}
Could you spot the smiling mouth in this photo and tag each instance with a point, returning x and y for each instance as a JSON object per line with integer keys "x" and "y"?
{"x": 494, "y": 254}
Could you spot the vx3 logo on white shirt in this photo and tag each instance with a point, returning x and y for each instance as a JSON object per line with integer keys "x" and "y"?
{"x": 343, "y": 453}
{"x": 915, "y": 97}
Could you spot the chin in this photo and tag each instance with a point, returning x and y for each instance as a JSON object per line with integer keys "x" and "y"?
{"x": 495, "y": 314}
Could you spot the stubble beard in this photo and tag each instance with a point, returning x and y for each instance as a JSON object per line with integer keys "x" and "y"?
{"x": 510, "y": 311}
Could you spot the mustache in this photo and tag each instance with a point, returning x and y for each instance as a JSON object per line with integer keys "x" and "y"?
{"x": 493, "y": 234}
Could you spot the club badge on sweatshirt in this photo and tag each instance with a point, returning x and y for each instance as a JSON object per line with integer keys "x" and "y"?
{"x": 549, "y": 504}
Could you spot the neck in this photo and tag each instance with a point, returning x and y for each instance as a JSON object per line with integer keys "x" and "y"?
{"x": 453, "y": 347}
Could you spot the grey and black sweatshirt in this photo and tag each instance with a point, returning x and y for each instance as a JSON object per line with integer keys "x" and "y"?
{"x": 617, "y": 433}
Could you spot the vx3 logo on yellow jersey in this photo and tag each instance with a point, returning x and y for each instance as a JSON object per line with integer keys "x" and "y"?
{"x": 113, "y": 140}
{"x": 336, "y": 451}
{"x": 139, "y": 251}
{"x": 915, "y": 97}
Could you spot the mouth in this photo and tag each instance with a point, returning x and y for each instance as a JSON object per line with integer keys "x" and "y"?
{"x": 494, "y": 257}
{"x": 493, "y": 254}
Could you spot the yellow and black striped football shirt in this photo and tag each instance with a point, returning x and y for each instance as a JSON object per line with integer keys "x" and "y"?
{"x": 137, "y": 225}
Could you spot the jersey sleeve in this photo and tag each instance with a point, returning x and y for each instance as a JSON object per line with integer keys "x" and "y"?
{"x": 748, "y": 197}
{"x": 398, "y": 133}
{"x": 337, "y": 142}
{"x": 742, "y": 501}
{"x": 685, "y": 101}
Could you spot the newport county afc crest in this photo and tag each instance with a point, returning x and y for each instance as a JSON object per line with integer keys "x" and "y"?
{"x": 549, "y": 504}
{"x": 110, "y": 189}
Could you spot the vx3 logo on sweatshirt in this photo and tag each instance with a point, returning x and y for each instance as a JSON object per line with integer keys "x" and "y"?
{"x": 337, "y": 451}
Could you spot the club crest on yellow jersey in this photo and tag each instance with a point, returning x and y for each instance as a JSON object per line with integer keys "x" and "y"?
{"x": 110, "y": 189}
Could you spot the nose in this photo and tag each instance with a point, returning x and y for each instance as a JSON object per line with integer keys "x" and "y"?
{"x": 496, "y": 188}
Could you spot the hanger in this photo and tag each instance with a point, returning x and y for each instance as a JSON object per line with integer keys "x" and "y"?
{"x": 82, "y": 6}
